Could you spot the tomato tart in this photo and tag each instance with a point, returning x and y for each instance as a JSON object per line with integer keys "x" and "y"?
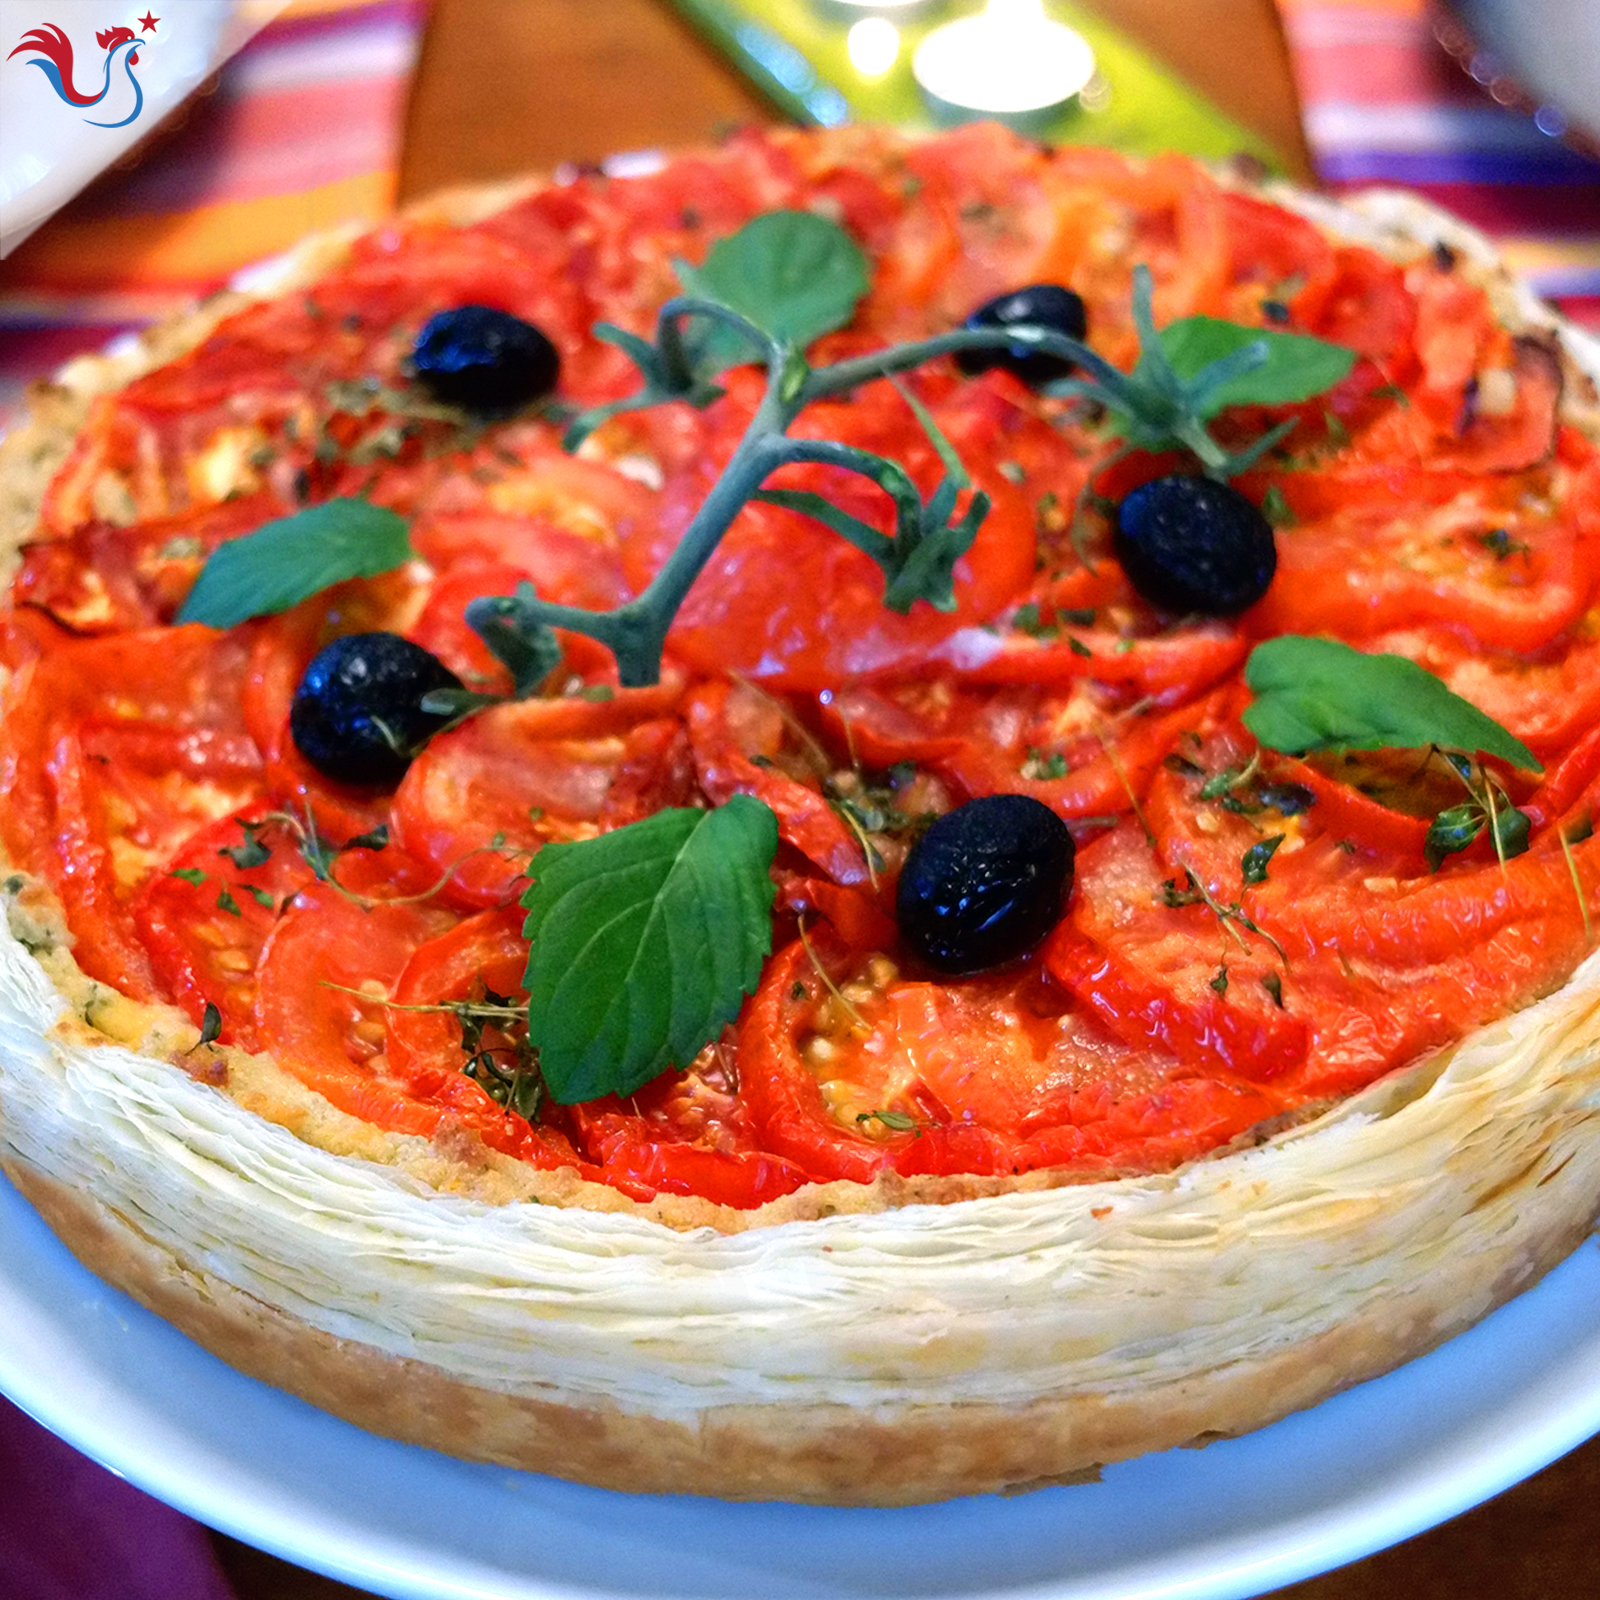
{"x": 1064, "y": 930}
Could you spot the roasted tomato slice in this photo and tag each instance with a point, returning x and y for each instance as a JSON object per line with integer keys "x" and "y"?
{"x": 205, "y": 918}
{"x": 426, "y": 1044}
{"x": 745, "y": 742}
{"x": 994, "y": 1075}
{"x": 526, "y": 773}
{"x": 326, "y": 971}
{"x": 685, "y": 1133}
{"x": 114, "y": 751}
{"x": 1512, "y": 576}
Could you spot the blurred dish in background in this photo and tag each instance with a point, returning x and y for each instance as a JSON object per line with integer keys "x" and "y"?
{"x": 1010, "y": 62}
{"x": 1542, "y": 56}
{"x": 825, "y": 62}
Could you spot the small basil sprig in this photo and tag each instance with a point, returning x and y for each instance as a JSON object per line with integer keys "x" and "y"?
{"x": 643, "y": 942}
{"x": 288, "y": 560}
{"x": 1488, "y": 807}
{"x": 1318, "y": 694}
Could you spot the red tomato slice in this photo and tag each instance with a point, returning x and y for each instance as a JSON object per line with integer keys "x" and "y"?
{"x": 424, "y": 1047}
{"x": 684, "y": 1133}
{"x": 108, "y": 578}
{"x": 204, "y": 938}
{"x": 1370, "y": 568}
{"x": 992, "y": 1075}
{"x": 529, "y": 771}
{"x": 1060, "y": 749}
{"x": 1179, "y": 664}
{"x": 1149, "y": 970}
{"x": 333, "y": 1040}
{"x": 112, "y": 752}
{"x": 739, "y": 735}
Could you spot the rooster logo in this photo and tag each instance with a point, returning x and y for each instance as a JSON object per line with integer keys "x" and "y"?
{"x": 51, "y": 53}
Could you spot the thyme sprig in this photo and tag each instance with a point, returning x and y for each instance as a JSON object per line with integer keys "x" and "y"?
{"x": 1488, "y": 806}
{"x": 1164, "y": 403}
{"x": 515, "y": 1082}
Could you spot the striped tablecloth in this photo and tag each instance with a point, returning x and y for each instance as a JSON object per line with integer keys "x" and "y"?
{"x": 1385, "y": 104}
{"x": 303, "y": 129}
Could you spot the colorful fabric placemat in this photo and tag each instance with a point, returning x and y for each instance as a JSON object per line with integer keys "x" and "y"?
{"x": 303, "y": 129}
{"x": 1385, "y": 104}
{"x": 797, "y": 52}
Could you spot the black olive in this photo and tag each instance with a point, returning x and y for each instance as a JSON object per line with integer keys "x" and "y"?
{"x": 1289, "y": 798}
{"x": 1044, "y": 305}
{"x": 485, "y": 361}
{"x": 357, "y": 714}
{"x": 1195, "y": 545}
{"x": 985, "y": 883}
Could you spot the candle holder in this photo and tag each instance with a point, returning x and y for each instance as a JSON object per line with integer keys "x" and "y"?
{"x": 854, "y": 10}
{"x": 1010, "y": 62}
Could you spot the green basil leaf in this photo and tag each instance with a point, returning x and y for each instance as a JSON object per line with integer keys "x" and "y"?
{"x": 1318, "y": 694}
{"x": 644, "y": 941}
{"x": 792, "y": 273}
{"x": 1297, "y": 365}
{"x": 287, "y": 561}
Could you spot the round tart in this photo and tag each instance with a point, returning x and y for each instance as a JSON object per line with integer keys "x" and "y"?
{"x": 1277, "y": 1064}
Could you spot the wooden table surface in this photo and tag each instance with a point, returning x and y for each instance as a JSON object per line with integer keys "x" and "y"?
{"x": 506, "y": 86}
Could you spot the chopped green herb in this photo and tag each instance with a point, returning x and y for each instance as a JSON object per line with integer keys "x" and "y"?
{"x": 1276, "y": 509}
{"x": 1253, "y": 863}
{"x": 1273, "y": 984}
{"x": 1220, "y": 982}
{"x": 252, "y": 853}
{"x": 897, "y": 1120}
{"x": 226, "y": 902}
{"x": 1501, "y": 545}
{"x": 1027, "y": 620}
{"x": 189, "y": 875}
{"x": 210, "y": 1025}
{"x": 1040, "y": 767}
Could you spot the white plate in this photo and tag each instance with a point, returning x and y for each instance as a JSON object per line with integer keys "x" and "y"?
{"x": 1361, "y": 1471}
